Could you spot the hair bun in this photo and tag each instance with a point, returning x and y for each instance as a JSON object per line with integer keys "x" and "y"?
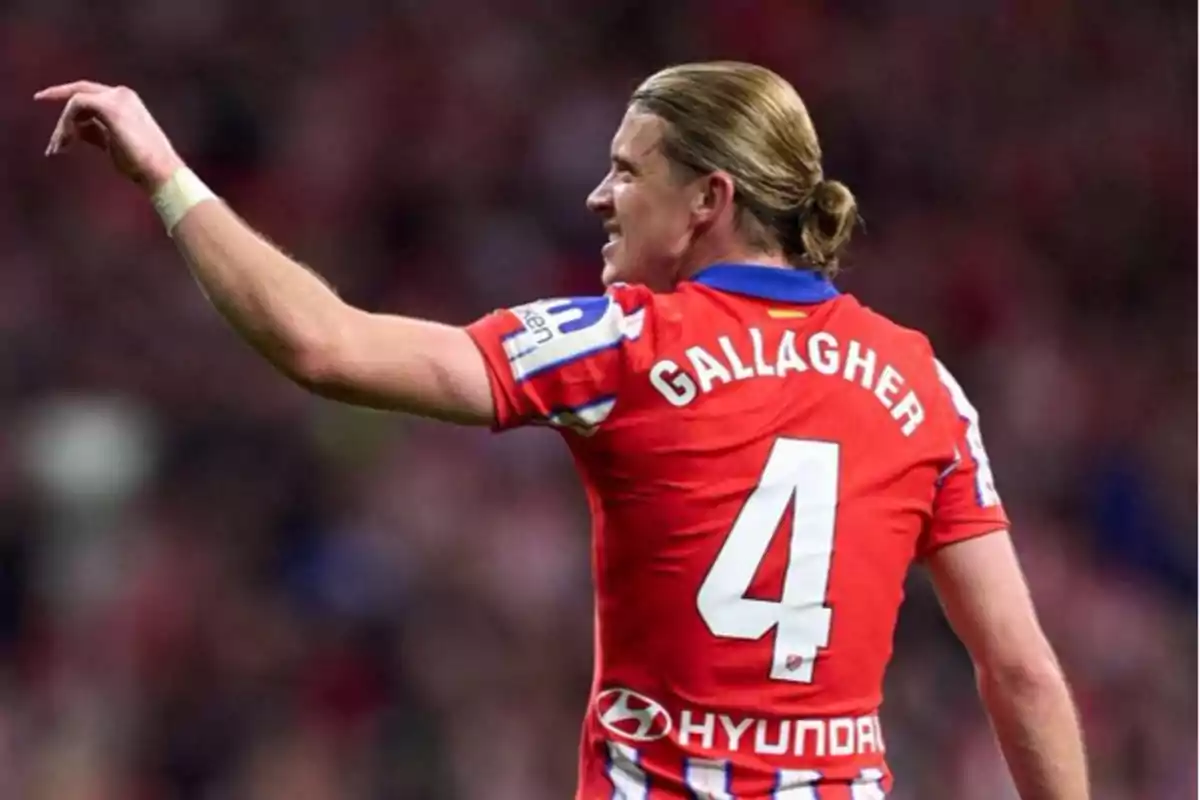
{"x": 826, "y": 227}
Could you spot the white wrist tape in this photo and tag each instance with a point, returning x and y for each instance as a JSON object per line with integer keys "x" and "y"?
{"x": 182, "y": 192}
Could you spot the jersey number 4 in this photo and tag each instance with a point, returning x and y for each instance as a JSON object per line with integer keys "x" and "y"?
{"x": 802, "y": 474}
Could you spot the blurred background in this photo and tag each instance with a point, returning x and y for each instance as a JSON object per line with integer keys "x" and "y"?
{"x": 214, "y": 587}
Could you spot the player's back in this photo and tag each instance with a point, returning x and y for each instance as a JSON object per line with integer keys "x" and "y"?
{"x": 764, "y": 458}
{"x": 758, "y": 498}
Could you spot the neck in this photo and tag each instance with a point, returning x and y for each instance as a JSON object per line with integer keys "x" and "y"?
{"x": 699, "y": 259}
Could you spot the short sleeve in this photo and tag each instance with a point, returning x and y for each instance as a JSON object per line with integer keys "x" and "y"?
{"x": 560, "y": 361}
{"x": 966, "y": 503}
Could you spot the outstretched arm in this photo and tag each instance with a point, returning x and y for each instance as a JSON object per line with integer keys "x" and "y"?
{"x": 290, "y": 316}
{"x": 284, "y": 311}
{"x": 987, "y": 602}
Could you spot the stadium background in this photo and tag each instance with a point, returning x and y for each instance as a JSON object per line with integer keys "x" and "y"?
{"x": 214, "y": 586}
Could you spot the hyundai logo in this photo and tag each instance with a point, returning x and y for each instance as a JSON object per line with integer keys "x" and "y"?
{"x": 634, "y": 716}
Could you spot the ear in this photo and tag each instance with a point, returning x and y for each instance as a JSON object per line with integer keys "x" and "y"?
{"x": 714, "y": 199}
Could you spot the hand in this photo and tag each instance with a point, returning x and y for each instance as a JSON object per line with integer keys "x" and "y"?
{"x": 115, "y": 120}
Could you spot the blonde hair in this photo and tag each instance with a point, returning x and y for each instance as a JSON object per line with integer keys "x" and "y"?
{"x": 749, "y": 122}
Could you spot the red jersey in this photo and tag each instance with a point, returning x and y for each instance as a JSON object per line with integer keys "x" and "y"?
{"x": 764, "y": 458}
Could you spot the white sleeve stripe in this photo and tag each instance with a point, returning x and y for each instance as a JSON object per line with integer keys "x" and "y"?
{"x": 523, "y": 375}
{"x": 631, "y": 330}
{"x": 985, "y": 485}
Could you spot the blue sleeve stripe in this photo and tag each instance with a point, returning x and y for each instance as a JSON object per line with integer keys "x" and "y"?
{"x": 634, "y": 319}
{"x": 571, "y": 359}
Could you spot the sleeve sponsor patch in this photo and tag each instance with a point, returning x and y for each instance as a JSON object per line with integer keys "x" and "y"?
{"x": 558, "y": 332}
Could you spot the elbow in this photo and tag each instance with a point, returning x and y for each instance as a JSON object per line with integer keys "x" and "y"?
{"x": 315, "y": 368}
{"x": 321, "y": 349}
{"x": 316, "y": 362}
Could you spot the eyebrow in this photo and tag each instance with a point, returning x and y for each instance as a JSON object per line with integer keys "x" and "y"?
{"x": 624, "y": 164}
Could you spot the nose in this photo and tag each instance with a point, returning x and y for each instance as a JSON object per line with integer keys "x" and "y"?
{"x": 600, "y": 200}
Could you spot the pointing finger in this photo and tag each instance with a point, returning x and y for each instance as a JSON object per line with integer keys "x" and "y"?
{"x": 65, "y": 90}
{"x": 64, "y": 131}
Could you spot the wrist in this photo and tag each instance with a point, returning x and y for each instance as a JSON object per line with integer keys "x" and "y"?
{"x": 155, "y": 174}
{"x": 178, "y": 193}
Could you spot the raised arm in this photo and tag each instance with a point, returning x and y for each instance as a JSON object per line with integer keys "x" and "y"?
{"x": 984, "y": 594}
{"x": 282, "y": 309}
{"x": 329, "y": 347}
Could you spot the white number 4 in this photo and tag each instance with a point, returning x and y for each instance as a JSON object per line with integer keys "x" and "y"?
{"x": 804, "y": 475}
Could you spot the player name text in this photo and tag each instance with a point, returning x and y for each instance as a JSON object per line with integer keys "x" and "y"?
{"x": 821, "y": 353}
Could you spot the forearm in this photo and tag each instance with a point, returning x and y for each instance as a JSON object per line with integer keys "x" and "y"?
{"x": 282, "y": 309}
{"x": 286, "y": 312}
{"x": 1039, "y": 733}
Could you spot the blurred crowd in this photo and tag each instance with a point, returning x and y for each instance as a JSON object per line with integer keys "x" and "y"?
{"x": 215, "y": 587}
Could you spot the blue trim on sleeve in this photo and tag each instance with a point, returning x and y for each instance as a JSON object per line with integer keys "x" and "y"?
{"x": 769, "y": 283}
{"x": 562, "y": 362}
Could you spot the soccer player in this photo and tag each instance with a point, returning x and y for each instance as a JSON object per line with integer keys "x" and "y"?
{"x": 764, "y": 456}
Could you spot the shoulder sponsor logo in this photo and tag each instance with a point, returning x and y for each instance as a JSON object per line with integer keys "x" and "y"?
{"x": 631, "y": 715}
{"x": 558, "y": 332}
{"x": 545, "y": 319}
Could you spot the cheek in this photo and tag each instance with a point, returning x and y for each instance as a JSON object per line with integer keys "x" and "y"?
{"x": 626, "y": 200}
{"x": 644, "y": 216}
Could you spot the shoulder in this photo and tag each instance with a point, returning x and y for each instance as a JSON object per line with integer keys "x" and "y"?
{"x": 911, "y": 352}
{"x": 902, "y": 337}
{"x": 904, "y": 345}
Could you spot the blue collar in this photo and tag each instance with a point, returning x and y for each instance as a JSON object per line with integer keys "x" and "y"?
{"x": 768, "y": 283}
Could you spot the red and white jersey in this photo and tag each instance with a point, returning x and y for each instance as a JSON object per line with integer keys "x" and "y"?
{"x": 764, "y": 458}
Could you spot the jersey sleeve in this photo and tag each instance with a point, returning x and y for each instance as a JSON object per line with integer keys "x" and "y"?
{"x": 966, "y": 503}
{"x": 562, "y": 361}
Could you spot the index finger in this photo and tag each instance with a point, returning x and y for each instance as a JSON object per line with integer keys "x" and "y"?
{"x": 65, "y": 90}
